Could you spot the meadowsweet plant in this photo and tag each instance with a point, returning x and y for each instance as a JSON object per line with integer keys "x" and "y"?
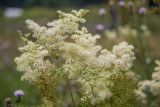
{"x": 64, "y": 50}
{"x": 148, "y": 88}
{"x": 139, "y": 38}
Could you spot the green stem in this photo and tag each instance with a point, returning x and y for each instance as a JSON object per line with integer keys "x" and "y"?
{"x": 67, "y": 80}
{"x": 44, "y": 102}
{"x": 111, "y": 103}
{"x": 42, "y": 91}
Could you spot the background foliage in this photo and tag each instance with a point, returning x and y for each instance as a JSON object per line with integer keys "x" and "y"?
{"x": 10, "y": 40}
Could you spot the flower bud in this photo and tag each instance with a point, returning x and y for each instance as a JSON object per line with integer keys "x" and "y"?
{"x": 8, "y": 102}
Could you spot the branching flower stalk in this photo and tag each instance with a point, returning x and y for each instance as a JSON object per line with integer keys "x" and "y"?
{"x": 64, "y": 48}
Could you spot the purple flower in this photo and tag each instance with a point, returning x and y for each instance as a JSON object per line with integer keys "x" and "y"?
{"x": 142, "y": 11}
{"x": 18, "y": 93}
{"x": 100, "y": 27}
{"x": 102, "y": 12}
{"x": 121, "y": 3}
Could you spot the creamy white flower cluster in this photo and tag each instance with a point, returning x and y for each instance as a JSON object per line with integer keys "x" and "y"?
{"x": 92, "y": 67}
{"x": 153, "y": 84}
{"x": 32, "y": 62}
{"x": 127, "y": 32}
{"x": 63, "y": 44}
{"x": 123, "y": 31}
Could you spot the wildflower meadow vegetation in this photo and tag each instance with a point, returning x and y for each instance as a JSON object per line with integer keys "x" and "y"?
{"x": 68, "y": 62}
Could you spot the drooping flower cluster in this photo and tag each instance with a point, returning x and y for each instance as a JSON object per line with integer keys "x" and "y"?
{"x": 65, "y": 48}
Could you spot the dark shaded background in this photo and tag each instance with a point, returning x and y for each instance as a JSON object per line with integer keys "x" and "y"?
{"x": 48, "y": 3}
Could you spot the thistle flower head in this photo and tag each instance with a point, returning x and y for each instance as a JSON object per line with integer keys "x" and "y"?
{"x": 18, "y": 93}
{"x": 121, "y": 3}
{"x": 142, "y": 11}
{"x": 102, "y": 12}
{"x": 100, "y": 27}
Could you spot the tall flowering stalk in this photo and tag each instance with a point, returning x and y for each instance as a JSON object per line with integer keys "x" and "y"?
{"x": 64, "y": 50}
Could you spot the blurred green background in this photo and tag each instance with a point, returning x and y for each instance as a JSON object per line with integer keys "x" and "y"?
{"x": 43, "y": 11}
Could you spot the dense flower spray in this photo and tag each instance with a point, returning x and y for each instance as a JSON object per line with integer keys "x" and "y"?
{"x": 153, "y": 85}
{"x": 63, "y": 49}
